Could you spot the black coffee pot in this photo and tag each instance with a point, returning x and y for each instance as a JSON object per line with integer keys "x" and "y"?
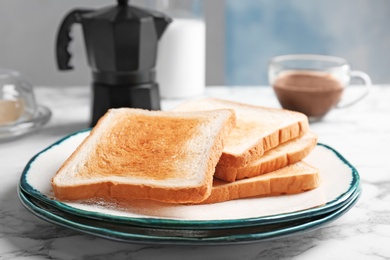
{"x": 121, "y": 45}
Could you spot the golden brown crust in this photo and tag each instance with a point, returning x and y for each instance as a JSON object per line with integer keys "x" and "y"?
{"x": 272, "y": 160}
{"x": 109, "y": 190}
{"x": 279, "y": 182}
{"x": 267, "y": 143}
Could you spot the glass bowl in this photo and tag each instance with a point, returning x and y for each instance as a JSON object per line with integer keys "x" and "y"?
{"x": 19, "y": 112}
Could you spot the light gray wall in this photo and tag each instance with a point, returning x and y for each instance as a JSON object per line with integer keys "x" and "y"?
{"x": 215, "y": 42}
{"x": 27, "y": 38}
{"x": 241, "y": 37}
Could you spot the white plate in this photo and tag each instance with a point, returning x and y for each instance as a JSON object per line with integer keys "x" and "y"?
{"x": 339, "y": 181}
{"x": 146, "y": 235}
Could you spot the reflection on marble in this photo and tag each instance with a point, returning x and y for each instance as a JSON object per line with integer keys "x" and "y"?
{"x": 360, "y": 133}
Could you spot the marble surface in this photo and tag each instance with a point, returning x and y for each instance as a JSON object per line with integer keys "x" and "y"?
{"x": 360, "y": 133}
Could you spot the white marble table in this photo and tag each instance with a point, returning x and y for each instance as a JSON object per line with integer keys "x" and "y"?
{"x": 360, "y": 133}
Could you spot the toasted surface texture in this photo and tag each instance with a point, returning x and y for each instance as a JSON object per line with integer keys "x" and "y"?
{"x": 285, "y": 154}
{"x": 258, "y": 129}
{"x": 292, "y": 179}
{"x": 135, "y": 153}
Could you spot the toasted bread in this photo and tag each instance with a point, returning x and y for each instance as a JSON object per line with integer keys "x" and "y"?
{"x": 285, "y": 154}
{"x": 292, "y": 179}
{"x": 258, "y": 129}
{"x": 140, "y": 154}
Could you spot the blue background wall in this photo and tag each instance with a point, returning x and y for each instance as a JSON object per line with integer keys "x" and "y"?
{"x": 256, "y": 30}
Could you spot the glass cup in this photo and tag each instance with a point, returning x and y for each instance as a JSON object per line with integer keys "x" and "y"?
{"x": 313, "y": 84}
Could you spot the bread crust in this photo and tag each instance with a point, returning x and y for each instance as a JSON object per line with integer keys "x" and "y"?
{"x": 285, "y": 154}
{"x": 292, "y": 179}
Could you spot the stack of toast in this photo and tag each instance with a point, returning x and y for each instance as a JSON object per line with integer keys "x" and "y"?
{"x": 204, "y": 151}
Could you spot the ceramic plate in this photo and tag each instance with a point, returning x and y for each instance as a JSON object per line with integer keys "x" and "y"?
{"x": 150, "y": 235}
{"x": 339, "y": 182}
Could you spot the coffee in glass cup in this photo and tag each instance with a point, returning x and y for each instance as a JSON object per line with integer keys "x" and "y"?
{"x": 312, "y": 84}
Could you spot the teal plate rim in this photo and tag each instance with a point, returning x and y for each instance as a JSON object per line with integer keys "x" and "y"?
{"x": 338, "y": 202}
{"x": 144, "y": 235}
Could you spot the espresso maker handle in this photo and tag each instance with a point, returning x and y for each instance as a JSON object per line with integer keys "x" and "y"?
{"x": 64, "y": 38}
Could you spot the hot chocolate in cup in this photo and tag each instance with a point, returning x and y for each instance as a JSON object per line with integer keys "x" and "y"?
{"x": 312, "y": 84}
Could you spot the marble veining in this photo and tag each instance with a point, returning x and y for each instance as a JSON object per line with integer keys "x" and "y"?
{"x": 360, "y": 133}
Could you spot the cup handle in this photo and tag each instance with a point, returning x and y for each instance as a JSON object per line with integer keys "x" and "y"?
{"x": 367, "y": 83}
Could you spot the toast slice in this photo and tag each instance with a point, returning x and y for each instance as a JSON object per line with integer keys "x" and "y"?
{"x": 285, "y": 154}
{"x": 292, "y": 179}
{"x": 135, "y": 153}
{"x": 258, "y": 129}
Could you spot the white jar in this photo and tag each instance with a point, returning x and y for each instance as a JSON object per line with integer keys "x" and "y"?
{"x": 180, "y": 68}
